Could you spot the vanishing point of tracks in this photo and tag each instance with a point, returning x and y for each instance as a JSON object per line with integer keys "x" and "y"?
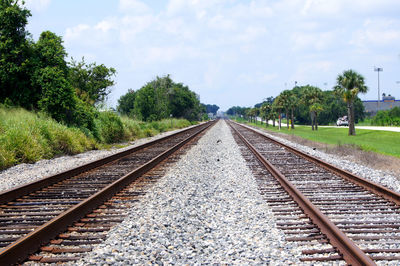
{"x": 72, "y": 209}
{"x": 338, "y": 216}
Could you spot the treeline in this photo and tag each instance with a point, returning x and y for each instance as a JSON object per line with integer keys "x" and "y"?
{"x": 163, "y": 98}
{"x": 310, "y": 105}
{"x": 387, "y": 118}
{"x": 36, "y": 75}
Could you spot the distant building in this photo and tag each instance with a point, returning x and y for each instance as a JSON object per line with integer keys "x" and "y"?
{"x": 387, "y": 103}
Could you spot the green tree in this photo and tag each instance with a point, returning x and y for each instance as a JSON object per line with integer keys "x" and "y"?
{"x": 48, "y": 53}
{"x": 145, "y": 104}
{"x": 53, "y": 92}
{"x": 278, "y": 106}
{"x": 126, "y": 103}
{"x": 349, "y": 84}
{"x": 91, "y": 82}
{"x": 163, "y": 97}
{"x": 312, "y": 98}
{"x": 58, "y": 98}
{"x": 183, "y": 102}
{"x": 288, "y": 101}
{"x": 265, "y": 112}
{"x": 15, "y": 53}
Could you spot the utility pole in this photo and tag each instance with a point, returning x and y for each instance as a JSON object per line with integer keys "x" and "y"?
{"x": 378, "y": 69}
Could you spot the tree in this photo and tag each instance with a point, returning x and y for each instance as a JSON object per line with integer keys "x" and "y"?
{"x": 53, "y": 92}
{"x": 58, "y": 97}
{"x": 126, "y": 103}
{"x": 91, "y": 82}
{"x": 265, "y": 112}
{"x": 312, "y": 97}
{"x": 349, "y": 84}
{"x": 288, "y": 101}
{"x": 211, "y": 108}
{"x": 15, "y": 53}
{"x": 183, "y": 102}
{"x": 277, "y": 106}
{"x": 163, "y": 97}
{"x": 145, "y": 104}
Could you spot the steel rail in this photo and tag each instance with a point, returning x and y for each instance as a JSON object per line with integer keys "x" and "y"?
{"x": 352, "y": 254}
{"x": 367, "y": 184}
{"x": 22, "y": 248}
{"x": 25, "y": 189}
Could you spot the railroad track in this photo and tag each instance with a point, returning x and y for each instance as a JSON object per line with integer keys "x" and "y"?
{"x": 337, "y": 216}
{"x": 69, "y": 207}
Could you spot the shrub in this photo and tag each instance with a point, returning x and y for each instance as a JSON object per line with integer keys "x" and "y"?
{"x": 110, "y": 127}
{"x": 132, "y": 129}
{"x": 27, "y": 137}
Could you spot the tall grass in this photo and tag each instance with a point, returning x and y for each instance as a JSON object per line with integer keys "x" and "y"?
{"x": 134, "y": 129}
{"x": 26, "y": 137}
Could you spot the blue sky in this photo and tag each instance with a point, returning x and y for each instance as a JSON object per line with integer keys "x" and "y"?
{"x": 230, "y": 52}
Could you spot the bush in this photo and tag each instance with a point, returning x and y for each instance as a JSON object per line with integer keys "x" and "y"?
{"x": 387, "y": 118}
{"x": 110, "y": 127}
{"x": 27, "y": 137}
{"x": 84, "y": 118}
{"x": 132, "y": 129}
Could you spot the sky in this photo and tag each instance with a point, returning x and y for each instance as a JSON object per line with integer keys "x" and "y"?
{"x": 230, "y": 52}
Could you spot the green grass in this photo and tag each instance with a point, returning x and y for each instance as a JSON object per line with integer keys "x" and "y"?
{"x": 383, "y": 142}
{"x": 27, "y": 137}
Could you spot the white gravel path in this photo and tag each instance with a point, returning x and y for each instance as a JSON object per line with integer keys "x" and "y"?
{"x": 206, "y": 210}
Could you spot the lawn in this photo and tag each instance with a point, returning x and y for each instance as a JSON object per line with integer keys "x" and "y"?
{"x": 383, "y": 142}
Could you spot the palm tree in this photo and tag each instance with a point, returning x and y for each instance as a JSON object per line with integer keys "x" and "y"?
{"x": 265, "y": 111}
{"x": 315, "y": 109}
{"x": 277, "y": 105}
{"x": 288, "y": 101}
{"x": 349, "y": 84}
{"x": 312, "y": 97}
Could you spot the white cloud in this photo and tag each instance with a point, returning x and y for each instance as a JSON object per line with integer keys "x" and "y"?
{"x": 38, "y": 5}
{"x": 377, "y": 32}
{"x": 313, "y": 40}
{"x": 257, "y": 77}
{"x": 76, "y": 32}
{"x": 233, "y": 44}
{"x": 135, "y": 6}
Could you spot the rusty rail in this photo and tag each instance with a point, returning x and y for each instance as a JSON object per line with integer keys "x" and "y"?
{"x": 20, "y": 250}
{"x": 352, "y": 254}
{"x": 25, "y": 189}
{"x": 369, "y": 185}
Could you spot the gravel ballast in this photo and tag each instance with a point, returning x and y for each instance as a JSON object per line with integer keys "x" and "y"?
{"x": 207, "y": 209}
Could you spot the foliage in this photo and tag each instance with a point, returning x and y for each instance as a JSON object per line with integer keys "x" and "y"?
{"x": 91, "y": 82}
{"x": 126, "y": 103}
{"x": 110, "y": 126}
{"x": 349, "y": 84}
{"x": 211, "y": 108}
{"x": 36, "y": 75}
{"x": 26, "y": 137}
{"x": 387, "y": 118}
{"x": 312, "y": 98}
{"x": 15, "y": 53}
{"x": 160, "y": 99}
{"x": 237, "y": 110}
{"x": 183, "y": 102}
